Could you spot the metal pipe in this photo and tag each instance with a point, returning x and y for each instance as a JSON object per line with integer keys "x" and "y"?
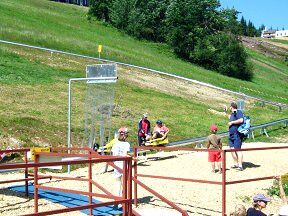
{"x": 124, "y": 186}
{"x": 69, "y": 106}
{"x": 223, "y": 183}
{"x": 130, "y": 186}
{"x": 77, "y": 208}
{"x": 90, "y": 184}
{"x": 135, "y": 175}
{"x": 179, "y": 179}
{"x": 26, "y": 174}
{"x": 36, "y": 185}
{"x": 69, "y": 122}
{"x": 161, "y": 197}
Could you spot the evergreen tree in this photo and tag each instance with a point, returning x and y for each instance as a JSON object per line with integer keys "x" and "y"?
{"x": 251, "y": 30}
{"x": 190, "y": 20}
{"x": 99, "y": 9}
{"x": 231, "y": 23}
{"x": 195, "y": 31}
{"x": 243, "y": 26}
{"x": 120, "y": 12}
{"x": 146, "y": 20}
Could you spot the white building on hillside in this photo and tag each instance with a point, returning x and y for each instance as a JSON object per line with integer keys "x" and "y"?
{"x": 281, "y": 34}
{"x": 268, "y": 33}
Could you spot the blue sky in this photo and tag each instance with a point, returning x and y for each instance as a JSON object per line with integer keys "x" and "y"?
{"x": 271, "y": 13}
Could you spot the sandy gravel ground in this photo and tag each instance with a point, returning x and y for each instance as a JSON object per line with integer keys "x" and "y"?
{"x": 195, "y": 198}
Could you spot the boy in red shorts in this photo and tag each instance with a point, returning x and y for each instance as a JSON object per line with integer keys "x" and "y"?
{"x": 214, "y": 143}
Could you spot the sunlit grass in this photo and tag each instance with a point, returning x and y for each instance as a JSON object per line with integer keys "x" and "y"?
{"x": 65, "y": 27}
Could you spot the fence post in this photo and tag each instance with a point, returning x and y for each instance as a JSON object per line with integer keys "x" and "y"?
{"x": 223, "y": 183}
{"x": 135, "y": 175}
{"x": 90, "y": 183}
{"x": 36, "y": 184}
{"x": 26, "y": 174}
{"x": 125, "y": 184}
{"x": 130, "y": 187}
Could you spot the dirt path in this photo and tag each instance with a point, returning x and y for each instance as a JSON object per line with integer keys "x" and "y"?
{"x": 196, "y": 198}
{"x": 178, "y": 87}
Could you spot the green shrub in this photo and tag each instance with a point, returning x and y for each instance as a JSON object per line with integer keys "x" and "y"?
{"x": 275, "y": 190}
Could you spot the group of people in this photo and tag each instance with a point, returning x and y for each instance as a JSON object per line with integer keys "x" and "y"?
{"x": 259, "y": 203}
{"x": 144, "y": 130}
{"x": 122, "y": 147}
{"x": 235, "y": 140}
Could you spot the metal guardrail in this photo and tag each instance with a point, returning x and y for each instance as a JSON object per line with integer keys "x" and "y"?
{"x": 280, "y": 105}
{"x": 225, "y": 134}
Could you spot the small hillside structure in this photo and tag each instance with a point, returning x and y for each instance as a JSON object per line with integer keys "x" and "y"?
{"x": 268, "y": 33}
{"x": 281, "y": 34}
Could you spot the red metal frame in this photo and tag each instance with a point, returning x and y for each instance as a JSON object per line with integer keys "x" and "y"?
{"x": 223, "y": 183}
{"x": 125, "y": 200}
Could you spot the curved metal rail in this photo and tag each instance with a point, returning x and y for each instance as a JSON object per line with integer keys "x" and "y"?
{"x": 280, "y": 105}
{"x": 225, "y": 134}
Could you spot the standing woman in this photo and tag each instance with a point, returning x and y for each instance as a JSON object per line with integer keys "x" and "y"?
{"x": 120, "y": 148}
{"x": 259, "y": 203}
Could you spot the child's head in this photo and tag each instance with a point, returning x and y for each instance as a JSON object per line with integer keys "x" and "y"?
{"x": 122, "y": 134}
{"x": 213, "y": 129}
{"x": 240, "y": 210}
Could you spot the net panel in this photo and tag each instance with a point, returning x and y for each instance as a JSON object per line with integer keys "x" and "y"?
{"x": 99, "y": 104}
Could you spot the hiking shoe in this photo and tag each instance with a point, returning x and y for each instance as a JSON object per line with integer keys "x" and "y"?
{"x": 239, "y": 168}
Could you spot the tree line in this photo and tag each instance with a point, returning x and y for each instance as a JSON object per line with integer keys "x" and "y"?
{"x": 198, "y": 31}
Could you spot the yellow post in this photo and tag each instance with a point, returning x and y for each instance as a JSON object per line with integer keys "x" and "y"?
{"x": 99, "y": 49}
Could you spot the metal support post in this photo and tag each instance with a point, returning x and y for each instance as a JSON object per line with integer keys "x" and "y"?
{"x": 90, "y": 183}
{"x": 36, "y": 184}
{"x": 69, "y": 121}
{"x": 265, "y": 131}
{"x": 135, "y": 175}
{"x": 130, "y": 187}
{"x": 252, "y": 134}
{"x": 26, "y": 174}
{"x": 124, "y": 189}
{"x": 223, "y": 183}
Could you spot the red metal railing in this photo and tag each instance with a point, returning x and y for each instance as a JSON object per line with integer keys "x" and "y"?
{"x": 223, "y": 183}
{"x": 26, "y": 179}
{"x": 126, "y": 198}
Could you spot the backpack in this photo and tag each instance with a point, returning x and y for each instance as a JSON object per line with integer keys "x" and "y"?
{"x": 244, "y": 128}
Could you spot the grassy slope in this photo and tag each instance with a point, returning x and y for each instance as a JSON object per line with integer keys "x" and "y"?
{"x": 65, "y": 27}
{"x": 34, "y": 95}
{"x": 33, "y": 103}
{"x": 280, "y": 41}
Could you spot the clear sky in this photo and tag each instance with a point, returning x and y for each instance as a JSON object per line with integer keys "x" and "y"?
{"x": 271, "y": 13}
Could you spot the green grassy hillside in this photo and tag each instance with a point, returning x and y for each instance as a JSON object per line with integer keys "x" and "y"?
{"x": 33, "y": 84}
{"x": 65, "y": 27}
{"x": 280, "y": 41}
{"x": 33, "y": 103}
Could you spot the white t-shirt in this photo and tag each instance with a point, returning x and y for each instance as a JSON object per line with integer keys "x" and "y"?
{"x": 120, "y": 148}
